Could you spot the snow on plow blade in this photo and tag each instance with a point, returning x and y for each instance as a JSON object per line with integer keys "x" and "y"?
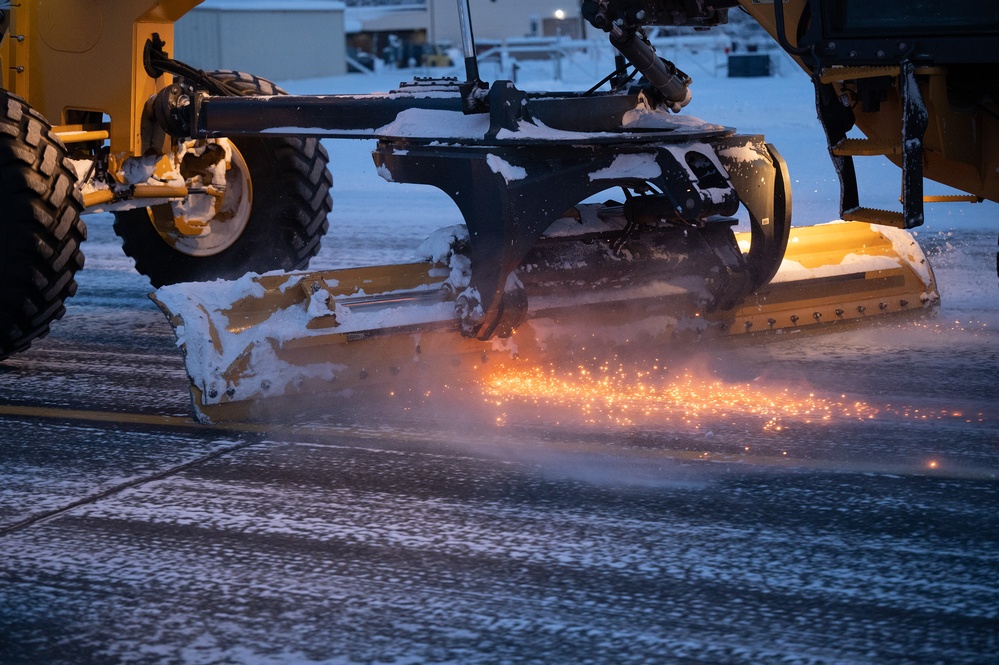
{"x": 275, "y": 344}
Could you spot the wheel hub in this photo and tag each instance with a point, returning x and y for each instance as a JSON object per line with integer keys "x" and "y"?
{"x": 212, "y": 217}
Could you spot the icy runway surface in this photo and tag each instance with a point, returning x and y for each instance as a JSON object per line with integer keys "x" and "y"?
{"x": 823, "y": 499}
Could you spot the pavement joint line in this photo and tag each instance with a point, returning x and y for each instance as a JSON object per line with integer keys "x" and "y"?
{"x": 120, "y": 487}
{"x": 480, "y": 444}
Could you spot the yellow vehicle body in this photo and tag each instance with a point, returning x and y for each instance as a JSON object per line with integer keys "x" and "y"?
{"x": 84, "y": 74}
{"x": 961, "y": 142}
{"x": 80, "y": 132}
{"x": 70, "y": 56}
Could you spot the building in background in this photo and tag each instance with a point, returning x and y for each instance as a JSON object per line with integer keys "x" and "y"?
{"x": 409, "y": 32}
{"x": 297, "y": 39}
{"x": 496, "y": 20}
{"x": 276, "y": 39}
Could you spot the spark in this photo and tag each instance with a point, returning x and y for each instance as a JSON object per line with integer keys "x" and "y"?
{"x": 607, "y": 393}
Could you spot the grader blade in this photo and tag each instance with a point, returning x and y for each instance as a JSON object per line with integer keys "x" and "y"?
{"x": 838, "y": 273}
{"x": 264, "y": 347}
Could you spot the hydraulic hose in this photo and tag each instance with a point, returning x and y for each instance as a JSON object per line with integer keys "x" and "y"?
{"x": 662, "y": 74}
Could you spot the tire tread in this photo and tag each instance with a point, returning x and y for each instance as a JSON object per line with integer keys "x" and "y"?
{"x": 303, "y": 176}
{"x": 40, "y": 250}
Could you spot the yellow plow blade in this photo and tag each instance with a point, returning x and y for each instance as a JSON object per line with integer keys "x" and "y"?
{"x": 276, "y": 344}
{"x": 837, "y": 273}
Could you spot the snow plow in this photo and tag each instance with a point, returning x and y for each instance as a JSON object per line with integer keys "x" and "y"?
{"x": 281, "y": 343}
{"x": 604, "y": 214}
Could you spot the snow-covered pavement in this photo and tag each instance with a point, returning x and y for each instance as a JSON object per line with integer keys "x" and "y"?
{"x": 826, "y": 499}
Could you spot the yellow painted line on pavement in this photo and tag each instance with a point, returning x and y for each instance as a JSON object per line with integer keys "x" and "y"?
{"x": 493, "y": 446}
{"x": 120, "y": 417}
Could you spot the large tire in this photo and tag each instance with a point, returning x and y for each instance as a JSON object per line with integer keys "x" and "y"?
{"x": 40, "y": 226}
{"x": 291, "y": 199}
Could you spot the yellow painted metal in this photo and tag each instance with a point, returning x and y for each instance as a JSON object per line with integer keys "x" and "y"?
{"x": 98, "y": 197}
{"x": 952, "y": 198}
{"x": 961, "y": 143}
{"x": 81, "y": 137}
{"x": 834, "y": 275}
{"x": 870, "y": 272}
{"x": 868, "y": 147}
{"x": 69, "y": 56}
{"x": 181, "y": 224}
{"x": 82, "y": 133}
{"x": 275, "y": 295}
{"x": 876, "y": 216}
{"x": 837, "y": 74}
{"x": 157, "y": 192}
{"x": 427, "y": 359}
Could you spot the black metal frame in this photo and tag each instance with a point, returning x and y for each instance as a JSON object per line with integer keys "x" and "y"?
{"x": 505, "y": 218}
{"x": 832, "y": 34}
{"x": 559, "y": 142}
{"x": 832, "y": 37}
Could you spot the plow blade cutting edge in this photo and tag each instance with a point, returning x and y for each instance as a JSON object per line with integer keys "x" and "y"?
{"x": 275, "y": 344}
